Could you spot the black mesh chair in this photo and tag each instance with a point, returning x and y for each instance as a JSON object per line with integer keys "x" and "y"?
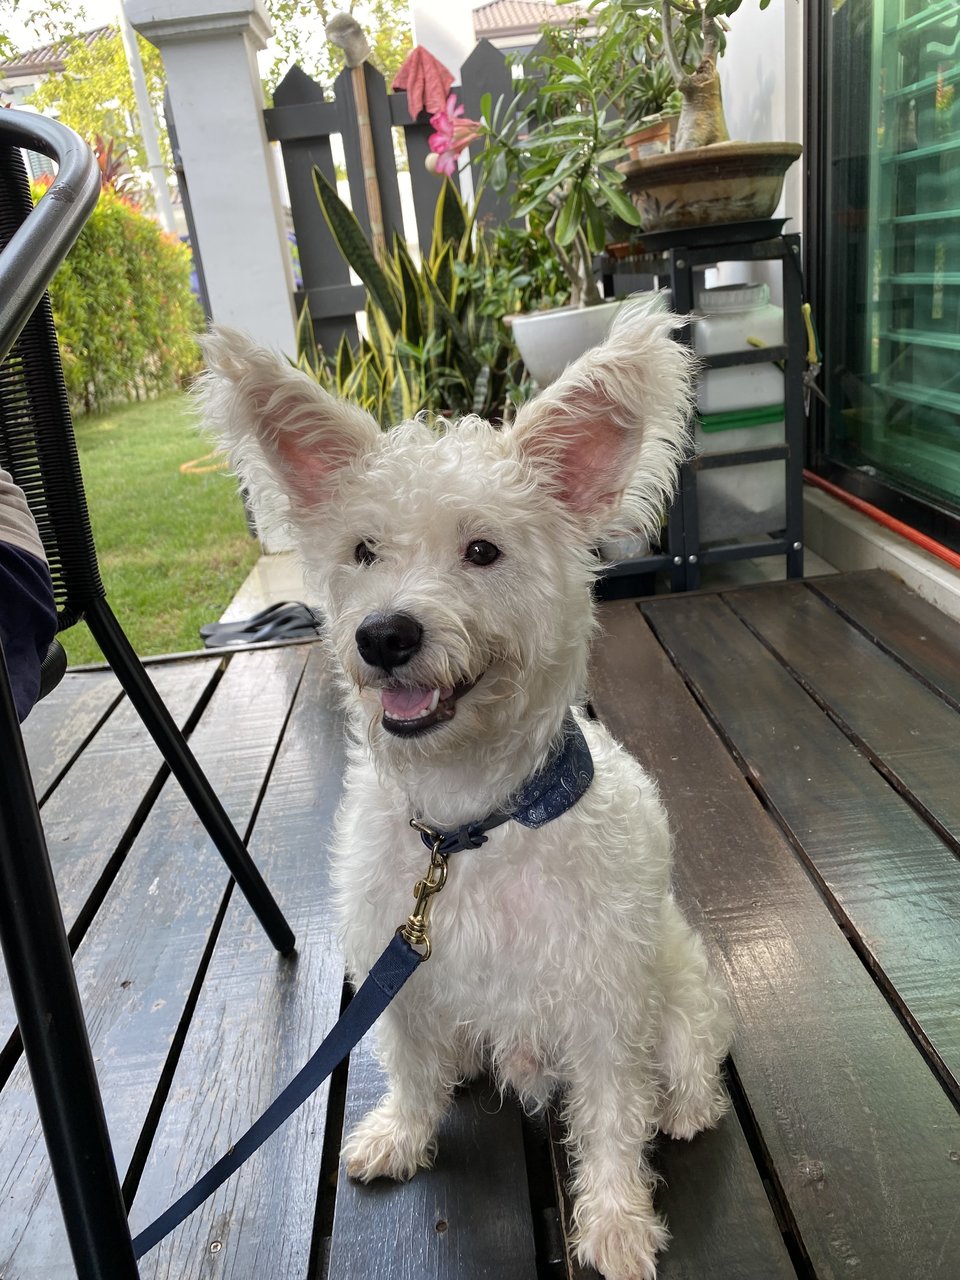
{"x": 37, "y": 447}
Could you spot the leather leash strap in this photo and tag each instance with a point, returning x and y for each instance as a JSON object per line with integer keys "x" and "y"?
{"x": 384, "y": 980}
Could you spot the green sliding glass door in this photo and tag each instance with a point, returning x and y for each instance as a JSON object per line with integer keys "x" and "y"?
{"x": 891, "y": 323}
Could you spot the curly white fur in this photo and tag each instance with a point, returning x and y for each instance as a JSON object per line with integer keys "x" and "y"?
{"x": 566, "y": 963}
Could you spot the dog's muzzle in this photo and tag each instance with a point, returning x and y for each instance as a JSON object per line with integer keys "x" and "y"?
{"x": 388, "y": 641}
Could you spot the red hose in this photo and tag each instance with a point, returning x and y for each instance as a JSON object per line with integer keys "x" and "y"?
{"x": 889, "y": 522}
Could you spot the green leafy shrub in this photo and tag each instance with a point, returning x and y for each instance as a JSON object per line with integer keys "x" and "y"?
{"x": 124, "y": 312}
{"x": 521, "y": 272}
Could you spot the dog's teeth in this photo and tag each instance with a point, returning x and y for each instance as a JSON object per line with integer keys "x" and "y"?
{"x": 433, "y": 702}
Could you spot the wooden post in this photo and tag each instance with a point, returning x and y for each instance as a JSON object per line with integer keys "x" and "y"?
{"x": 379, "y": 114}
{"x": 368, "y": 157}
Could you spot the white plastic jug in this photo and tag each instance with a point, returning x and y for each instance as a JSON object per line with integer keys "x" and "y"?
{"x": 736, "y": 317}
{"x": 741, "y": 408}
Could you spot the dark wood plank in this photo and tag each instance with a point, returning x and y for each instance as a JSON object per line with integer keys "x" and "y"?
{"x": 910, "y": 733}
{"x": 893, "y": 881}
{"x": 88, "y": 817}
{"x": 486, "y": 71}
{"x": 861, "y": 1138}
{"x": 60, "y": 724}
{"x": 258, "y": 1019}
{"x": 139, "y": 961}
{"x": 468, "y": 1218}
{"x": 903, "y": 623}
{"x": 717, "y": 1210}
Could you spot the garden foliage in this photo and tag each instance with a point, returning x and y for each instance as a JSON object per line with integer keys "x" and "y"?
{"x": 124, "y": 312}
{"x": 435, "y": 335}
{"x": 94, "y": 94}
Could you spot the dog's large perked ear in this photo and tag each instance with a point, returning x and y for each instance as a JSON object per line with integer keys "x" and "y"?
{"x": 609, "y": 434}
{"x": 265, "y": 411}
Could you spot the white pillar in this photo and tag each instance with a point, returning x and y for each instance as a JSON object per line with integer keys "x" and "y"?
{"x": 209, "y": 50}
{"x": 148, "y": 128}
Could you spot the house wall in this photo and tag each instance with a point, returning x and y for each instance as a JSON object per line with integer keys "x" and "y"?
{"x": 762, "y": 78}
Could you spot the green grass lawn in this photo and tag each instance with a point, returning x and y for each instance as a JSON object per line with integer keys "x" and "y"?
{"x": 173, "y": 546}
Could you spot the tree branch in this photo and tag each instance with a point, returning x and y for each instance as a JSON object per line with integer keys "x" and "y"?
{"x": 669, "y": 44}
{"x": 567, "y": 265}
{"x": 711, "y": 36}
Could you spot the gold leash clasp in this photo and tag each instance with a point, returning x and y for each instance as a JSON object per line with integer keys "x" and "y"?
{"x": 424, "y": 891}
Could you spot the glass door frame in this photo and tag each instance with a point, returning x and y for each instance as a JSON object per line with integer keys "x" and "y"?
{"x": 924, "y": 515}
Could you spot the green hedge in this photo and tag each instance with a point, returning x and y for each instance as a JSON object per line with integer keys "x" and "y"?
{"x": 125, "y": 315}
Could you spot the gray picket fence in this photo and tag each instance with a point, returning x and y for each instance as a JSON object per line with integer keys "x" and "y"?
{"x": 302, "y": 120}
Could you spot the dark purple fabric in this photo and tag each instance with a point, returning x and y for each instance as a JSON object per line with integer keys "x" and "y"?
{"x": 28, "y": 621}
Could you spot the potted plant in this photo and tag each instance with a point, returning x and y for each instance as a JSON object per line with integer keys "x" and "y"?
{"x": 435, "y": 338}
{"x": 643, "y": 89}
{"x": 655, "y": 107}
{"x": 706, "y": 178}
{"x": 555, "y": 147}
{"x": 702, "y": 120}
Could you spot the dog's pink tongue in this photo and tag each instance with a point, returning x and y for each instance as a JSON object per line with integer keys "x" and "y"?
{"x": 402, "y": 704}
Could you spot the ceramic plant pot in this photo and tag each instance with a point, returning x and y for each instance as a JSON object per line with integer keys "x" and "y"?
{"x": 550, "y": 340}
{"x": 726, "y": 182}
{"x": 652, "y": 140}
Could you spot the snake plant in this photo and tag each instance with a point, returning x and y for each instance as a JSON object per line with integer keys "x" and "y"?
{"x": 432, "y": 341}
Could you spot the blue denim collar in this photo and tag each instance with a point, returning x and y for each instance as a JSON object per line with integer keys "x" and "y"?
{"x": 550, "y": 792}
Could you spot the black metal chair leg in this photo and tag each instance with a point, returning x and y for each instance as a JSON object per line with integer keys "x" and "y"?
{"x": 140, "y": 690}
{"x": 794, "y": 416}
{"x": 51, "y": 1020}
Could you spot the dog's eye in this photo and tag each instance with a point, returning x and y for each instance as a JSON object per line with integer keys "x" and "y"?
{"x": 363, "y": 555}
{"x": 481, "y": 552}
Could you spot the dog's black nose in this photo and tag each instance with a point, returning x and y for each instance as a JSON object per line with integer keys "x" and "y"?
{"x": 388, "y": 640}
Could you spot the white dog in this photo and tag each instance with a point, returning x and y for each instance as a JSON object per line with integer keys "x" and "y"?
{"x": 455, "y": 570}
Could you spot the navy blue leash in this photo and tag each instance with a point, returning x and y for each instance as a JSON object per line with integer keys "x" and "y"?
{"x": 555, "y": 789}
{"x": 384, "y": 980}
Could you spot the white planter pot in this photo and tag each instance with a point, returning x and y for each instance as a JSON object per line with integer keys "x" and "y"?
{"x": 550, "y": 340}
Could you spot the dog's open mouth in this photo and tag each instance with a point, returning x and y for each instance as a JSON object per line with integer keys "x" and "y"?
{"x": 408, "y": 711}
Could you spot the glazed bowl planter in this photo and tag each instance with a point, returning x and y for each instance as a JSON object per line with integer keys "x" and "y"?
{"x": 726, "y": 182}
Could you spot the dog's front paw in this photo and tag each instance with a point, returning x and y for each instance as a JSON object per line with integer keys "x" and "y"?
{"x": 383, "y": 1145}
{"x": 623, "y": 1245}
{"x": 695, "y": 1110}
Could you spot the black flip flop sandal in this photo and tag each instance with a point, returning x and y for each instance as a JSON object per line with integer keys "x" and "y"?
{"x": 294, "y": 622}
{"x": 255, "y": 620}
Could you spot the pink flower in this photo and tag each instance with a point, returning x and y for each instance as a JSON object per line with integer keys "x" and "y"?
{"x": 453, "y": 132}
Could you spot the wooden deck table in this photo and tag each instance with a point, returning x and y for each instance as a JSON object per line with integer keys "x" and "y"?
{"x": 806, "y": 739}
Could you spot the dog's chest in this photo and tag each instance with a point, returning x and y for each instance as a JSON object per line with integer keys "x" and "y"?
{"x": 502, "y": 908}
